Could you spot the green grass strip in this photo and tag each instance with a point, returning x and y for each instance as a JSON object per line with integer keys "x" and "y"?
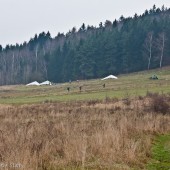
{"x": 161, "y": 154}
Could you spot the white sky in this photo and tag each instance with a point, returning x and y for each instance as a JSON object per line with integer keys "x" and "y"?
{"x": 22, "y": 19}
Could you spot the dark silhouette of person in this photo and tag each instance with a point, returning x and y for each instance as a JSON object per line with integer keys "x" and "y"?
{"x": 68, "y": 89}
{"x": 80, "y": 88}
{"x": 104, "y": 85}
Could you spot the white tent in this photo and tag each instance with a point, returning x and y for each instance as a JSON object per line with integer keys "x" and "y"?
{"x": 45, "y": 83}
{"x": 110, "y": 77}
{"x": 35, "y": 83}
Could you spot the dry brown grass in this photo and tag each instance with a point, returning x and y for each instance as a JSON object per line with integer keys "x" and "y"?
{"x": 84, "y": 135}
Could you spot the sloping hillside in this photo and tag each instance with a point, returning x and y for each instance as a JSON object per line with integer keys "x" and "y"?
{"x": 114, "y": 47}
{"x": 127, "y": 85}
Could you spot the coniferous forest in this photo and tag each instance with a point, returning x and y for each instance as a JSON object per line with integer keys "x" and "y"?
{"x": 125, "y": 45}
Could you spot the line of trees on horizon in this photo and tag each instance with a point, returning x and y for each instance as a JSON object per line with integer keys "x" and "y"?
{"x": 126, "y": 45}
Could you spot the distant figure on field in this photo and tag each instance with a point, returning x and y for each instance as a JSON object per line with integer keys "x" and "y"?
{"x": 68, "y": 89}
{"x": 80, "y": 88}
{"x": 104, "y": 85}
{"x": 70, "y": 81}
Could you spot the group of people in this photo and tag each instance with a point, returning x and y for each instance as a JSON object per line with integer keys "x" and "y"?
{"x": 80, "y": 87}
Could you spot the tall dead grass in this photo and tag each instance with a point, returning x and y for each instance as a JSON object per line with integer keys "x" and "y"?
{"x": 84, "y": 135}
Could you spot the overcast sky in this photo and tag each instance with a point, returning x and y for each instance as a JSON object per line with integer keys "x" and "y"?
{"x": 22, "y": 19}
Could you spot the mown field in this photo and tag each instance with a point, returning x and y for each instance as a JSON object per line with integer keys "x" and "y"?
{"x": 124, "y": 126}
{"x": 130, "y": 84}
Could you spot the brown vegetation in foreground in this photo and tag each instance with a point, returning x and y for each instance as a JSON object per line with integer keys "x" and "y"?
{"x": 110, "y": 134}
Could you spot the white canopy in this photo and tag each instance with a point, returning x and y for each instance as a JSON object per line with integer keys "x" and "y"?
{"x": 110, "y": 77}
{"x": 35, "y": 83}
{"x": 46, "y": 83}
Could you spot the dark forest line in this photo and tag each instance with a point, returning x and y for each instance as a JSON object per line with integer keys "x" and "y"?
{"x": 141, "y": 42}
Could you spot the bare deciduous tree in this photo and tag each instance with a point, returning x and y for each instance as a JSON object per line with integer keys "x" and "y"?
{"x": 160, "y": 43}
{"x": 36, "y": 56}
{"x": 148, "y": 47}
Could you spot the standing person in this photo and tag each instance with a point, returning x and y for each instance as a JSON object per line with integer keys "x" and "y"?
{"x": 80, "y": 88}
{"x": 104, "y": 85}
{"x": 68, "y": 89}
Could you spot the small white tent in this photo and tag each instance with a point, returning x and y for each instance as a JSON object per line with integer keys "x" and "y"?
{"x": 35, "y": 83}
{"x": 45, "y": 83}
{"x": 110, "y": 77}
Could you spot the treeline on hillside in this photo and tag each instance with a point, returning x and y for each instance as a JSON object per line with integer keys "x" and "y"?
{"x": 122, "y": 46}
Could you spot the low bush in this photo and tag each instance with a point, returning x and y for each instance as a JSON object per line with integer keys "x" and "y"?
{"x": 160, "y": 104}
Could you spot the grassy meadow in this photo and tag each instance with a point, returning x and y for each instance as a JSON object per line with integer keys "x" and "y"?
{"x": 124, "y": 126}
{"x": 126, "y": 85}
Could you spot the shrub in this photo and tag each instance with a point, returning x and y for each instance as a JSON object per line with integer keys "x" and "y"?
{"x": 151, "y": 95}
{"x": 92, "y": 102}
{"x": 140, "y": 97}
{"x": 159, "y": 104}
{"x": 111, "y": 100}
{"x": 127, "y": 101}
